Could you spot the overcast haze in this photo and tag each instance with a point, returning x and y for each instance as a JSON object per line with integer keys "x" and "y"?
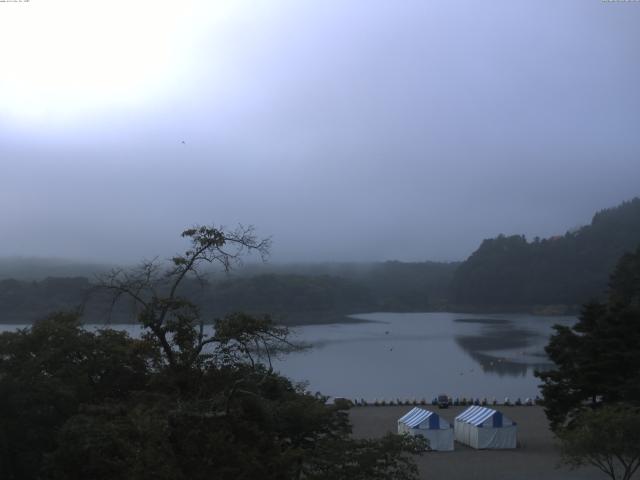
{"x": 346, "y": 130}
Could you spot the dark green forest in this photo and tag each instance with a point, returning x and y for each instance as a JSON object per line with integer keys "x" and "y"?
{"x": 567, "y": 270}
{"x": 592, "y": 391}
{"x": 597, "y": 360}
{"x": 177, "y": 403}
{"x": 506, "y": 273}
{"x": 310, "y": 295}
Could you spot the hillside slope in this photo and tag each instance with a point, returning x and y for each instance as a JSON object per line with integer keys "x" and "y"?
{"x": 567, "y": 270}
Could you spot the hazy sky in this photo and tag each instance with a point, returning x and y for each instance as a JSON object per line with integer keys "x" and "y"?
{"x": 346, "y": 130}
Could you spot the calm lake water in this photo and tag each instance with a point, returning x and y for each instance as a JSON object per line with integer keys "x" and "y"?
{"x": 416, "y": 355}
{"x": 419, "y": 355}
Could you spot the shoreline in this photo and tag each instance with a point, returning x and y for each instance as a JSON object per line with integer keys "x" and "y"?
{"x": 308, "y": 319}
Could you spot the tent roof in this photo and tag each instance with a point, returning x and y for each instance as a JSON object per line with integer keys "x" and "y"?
{"x": 415, "y": 417}
{"x": 476, "y": 415}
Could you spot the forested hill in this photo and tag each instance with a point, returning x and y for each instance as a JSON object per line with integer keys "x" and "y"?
{"x": 504, "y": 273}
{"x": 509, "y": 271}
{"x": 299, "y": 294}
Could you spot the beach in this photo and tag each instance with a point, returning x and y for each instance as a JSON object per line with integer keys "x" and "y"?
{"x": 537, "y": 456}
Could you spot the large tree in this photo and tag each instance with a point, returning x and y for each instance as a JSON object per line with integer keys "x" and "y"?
{"x": 597, "y": 361}
{"x": 48, "y": 372}
{"x": 171, "y": 320}
{"x": 607, "y": 438}
{"x": 181, "y": 403}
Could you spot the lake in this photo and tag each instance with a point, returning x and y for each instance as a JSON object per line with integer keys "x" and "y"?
{"x": 416, "y": 355}
{"x": 419, "y": 355}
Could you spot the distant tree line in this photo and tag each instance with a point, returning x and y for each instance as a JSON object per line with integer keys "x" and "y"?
{"x": 504, "y": 273}
{"x": 289, "y": 297}
{"x": 569, "y": 270}
{"x": 176, "y": 403}
{"x": 26, "y": 301}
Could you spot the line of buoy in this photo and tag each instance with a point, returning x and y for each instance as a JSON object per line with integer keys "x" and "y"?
{"x": 457, "y": 402}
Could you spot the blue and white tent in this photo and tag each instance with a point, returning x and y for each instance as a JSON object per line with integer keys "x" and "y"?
{"x": 430, "y": 425}
{"x": 481, "y": 427}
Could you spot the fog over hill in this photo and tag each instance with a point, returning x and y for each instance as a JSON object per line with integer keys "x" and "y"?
{"x": 348, "y": 131}
{"x": 430, "y": 165}
{"x": 38, "y": 268}
{"x": 505, "y": 273}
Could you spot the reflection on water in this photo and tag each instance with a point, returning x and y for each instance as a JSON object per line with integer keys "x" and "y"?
{"x": 418, "y": 355}
{"x": 493, "y": 347}
{"x": 382, "y": 340}
{"x": 483, "y": 321}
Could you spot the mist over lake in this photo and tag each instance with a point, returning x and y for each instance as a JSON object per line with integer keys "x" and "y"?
{"x": 234, "y": 236}
{"x": 407, "y": 355}
{"x": 417, "y": 355}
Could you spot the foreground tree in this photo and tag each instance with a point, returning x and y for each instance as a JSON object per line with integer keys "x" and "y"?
{"x": 592, "y": 397}
{"x": 607, "y": 438}
{"x": 171, "y": 320}
{"x": 180, "y": 403}
{"x": 597, "y": 361}
{"x": 47, "y": 373}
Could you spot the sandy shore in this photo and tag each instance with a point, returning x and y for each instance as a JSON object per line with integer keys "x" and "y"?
{"x": 537, "y": 458}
